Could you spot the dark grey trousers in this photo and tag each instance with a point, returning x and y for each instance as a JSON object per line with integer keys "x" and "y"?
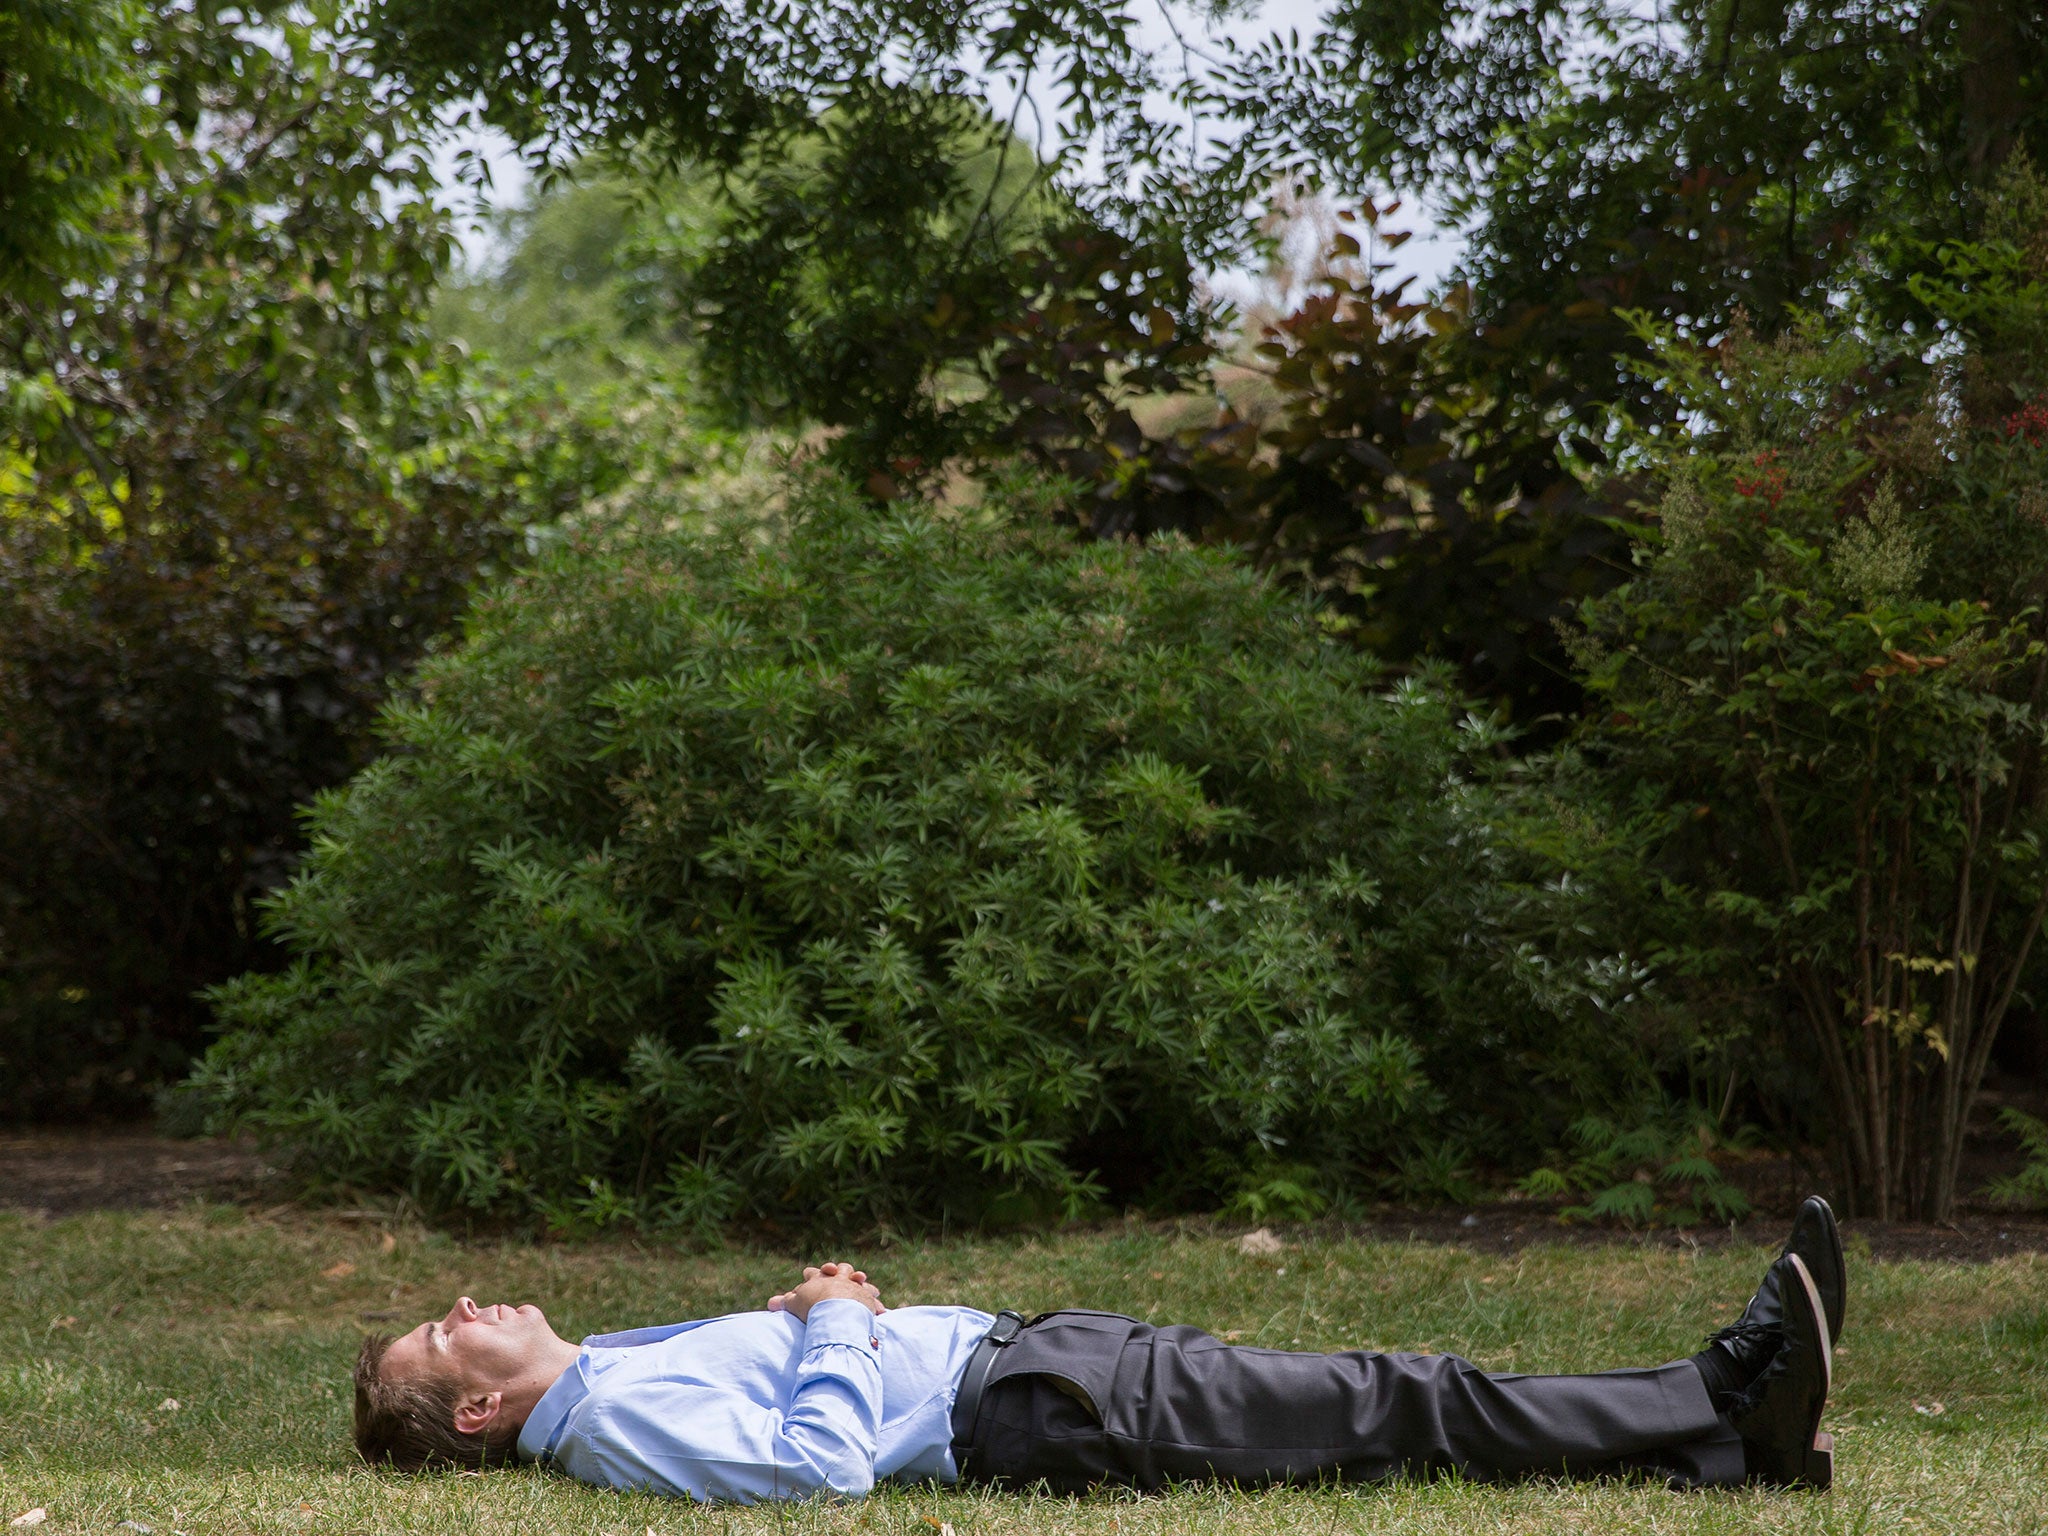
{"x": 1082, "y": 1398}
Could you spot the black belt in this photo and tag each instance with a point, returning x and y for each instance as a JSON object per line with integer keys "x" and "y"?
{"x": 967, "y": 1403}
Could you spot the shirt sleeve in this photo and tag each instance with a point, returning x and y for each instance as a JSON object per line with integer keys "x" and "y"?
{"x": 834, "y": 1421}
{"x": 688, "y": 1439}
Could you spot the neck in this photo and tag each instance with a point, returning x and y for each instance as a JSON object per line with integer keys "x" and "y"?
{"x": 525, "y": 1390}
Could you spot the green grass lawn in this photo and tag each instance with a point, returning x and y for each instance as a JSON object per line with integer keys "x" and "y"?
{"x": 249, "y": 1325}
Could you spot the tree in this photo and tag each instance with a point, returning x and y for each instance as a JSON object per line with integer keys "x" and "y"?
{"x": 874, "y": 201}
{"x": 854, "y": 278}
{"x": 1414, "y": 489}
{"x": 70, "y": 92}
{"x": 1687, "y": 160}
{"x": 249, "y": 289}
{"x": 556, "y": 301}
{"x": 1830, "y": 676}
{"x": 240, "y": 491}
{"x": 729, "y": 87}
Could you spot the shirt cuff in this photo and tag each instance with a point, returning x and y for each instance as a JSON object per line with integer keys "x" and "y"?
{"x": 840, "y": 1320}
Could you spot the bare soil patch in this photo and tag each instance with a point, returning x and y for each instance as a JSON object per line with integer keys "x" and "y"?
{"x": 64, "y": 1172}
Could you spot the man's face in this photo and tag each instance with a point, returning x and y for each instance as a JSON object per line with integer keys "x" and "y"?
{"x": 481, "y": 1348}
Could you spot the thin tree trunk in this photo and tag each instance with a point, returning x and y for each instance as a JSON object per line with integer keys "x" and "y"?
{"x": 1849, "y": 1087}
{"x": 1823, "y": 1016}
{"x": 1933, "y": 1200}
{"x": 1993, "y": 101}
{"x": 1969, "y": 1069}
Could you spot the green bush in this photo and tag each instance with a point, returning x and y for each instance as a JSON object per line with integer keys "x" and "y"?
{"x": 1826, "y": 676}
{"x": 241, "y": 490}
{"x": 858, "y": 864}
{"x": 2028, "y": 1187}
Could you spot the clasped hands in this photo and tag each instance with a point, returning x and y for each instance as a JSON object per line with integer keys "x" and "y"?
{"x": 824, "y": 1282}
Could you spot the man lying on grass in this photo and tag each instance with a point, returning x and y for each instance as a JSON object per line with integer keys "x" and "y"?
{"x": 826, "y": 1390}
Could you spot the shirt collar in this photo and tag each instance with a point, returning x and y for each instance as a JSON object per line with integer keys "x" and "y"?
{"x": 550, "y": 1416}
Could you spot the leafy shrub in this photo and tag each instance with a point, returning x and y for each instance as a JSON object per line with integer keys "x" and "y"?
{"x": 240, "y": 491}
{"x": 1826, "y": 672}
{"x": 1407, "y": 476}
{"x": 2028, "y": 1187}
{"x": 895, "y": 863}
{"x": 1656, "y": 1166}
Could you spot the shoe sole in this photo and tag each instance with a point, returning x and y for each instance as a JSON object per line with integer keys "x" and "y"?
{"x": 1817, "y": 1468}
{"x": 1818, "y": 1473}
{"x": 1831, "y": 1232}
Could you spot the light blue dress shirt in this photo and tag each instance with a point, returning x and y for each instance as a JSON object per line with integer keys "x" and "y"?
{"x": 760, "y": 1406}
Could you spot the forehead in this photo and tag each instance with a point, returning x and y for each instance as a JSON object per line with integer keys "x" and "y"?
{"x": 406, "y": 1354}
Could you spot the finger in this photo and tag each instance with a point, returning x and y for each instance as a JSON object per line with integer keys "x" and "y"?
{"x": 777, "y": 1303}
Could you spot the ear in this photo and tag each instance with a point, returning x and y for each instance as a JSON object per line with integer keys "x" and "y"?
{"x": 478, "y": 1412}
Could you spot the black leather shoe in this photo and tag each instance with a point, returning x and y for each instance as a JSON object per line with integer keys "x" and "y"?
{"x": 1753, "y": 1337}
{"x": 1783, "y": 1445}
{"x": 1818, "y": 1241}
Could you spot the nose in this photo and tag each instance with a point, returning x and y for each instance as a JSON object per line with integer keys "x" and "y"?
{"x": 463, "y": 1311}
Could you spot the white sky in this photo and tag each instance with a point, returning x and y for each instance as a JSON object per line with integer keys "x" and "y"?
{"x": 1427, "y": 257}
